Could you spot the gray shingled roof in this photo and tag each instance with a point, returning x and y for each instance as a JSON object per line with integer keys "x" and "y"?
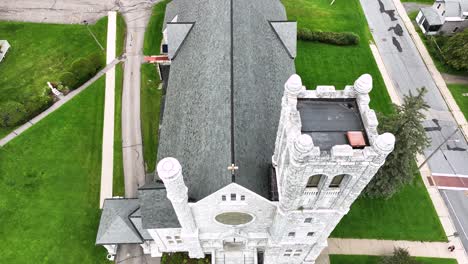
{"x": 115, "y": 226}
{"x": 155, "y": 208}
{"x": 135, "y": 218}
{"x": 431, "y": 16}
{"x": 215, "y": 114}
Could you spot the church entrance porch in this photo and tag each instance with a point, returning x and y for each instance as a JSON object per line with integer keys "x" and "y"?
{"x": 235, "y": 253}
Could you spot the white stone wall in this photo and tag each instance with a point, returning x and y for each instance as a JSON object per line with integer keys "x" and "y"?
{"x": 5, "y": 46}
{"x": 296, "y": 158}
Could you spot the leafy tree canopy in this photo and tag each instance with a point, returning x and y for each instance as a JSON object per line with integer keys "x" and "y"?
{"x": 455, "y": 51}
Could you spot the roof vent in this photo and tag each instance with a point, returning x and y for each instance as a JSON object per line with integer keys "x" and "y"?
{"x": 356, "y": 139}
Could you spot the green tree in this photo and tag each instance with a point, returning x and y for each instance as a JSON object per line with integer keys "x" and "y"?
{"x": 455, "y": 51}
{"x": 400, "y": 256}
{"x": 411, "y": 139}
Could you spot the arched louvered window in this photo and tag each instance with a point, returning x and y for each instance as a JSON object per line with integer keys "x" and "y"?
{"x": 337, "y": 180}
{"x": 314, "y": 181}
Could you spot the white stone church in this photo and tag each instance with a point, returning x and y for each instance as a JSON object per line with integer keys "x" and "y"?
{"x": 253, "y": 167}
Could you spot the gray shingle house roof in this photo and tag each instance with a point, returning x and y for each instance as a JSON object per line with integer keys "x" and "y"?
{"x": 115, "y": 226}
{"x": 224, "y": 92}
{"x": 155, "y": 208}
{"x": 431, "y": 16}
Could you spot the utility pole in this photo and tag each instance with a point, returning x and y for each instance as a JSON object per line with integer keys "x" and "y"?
{"x": 432, "y": 154}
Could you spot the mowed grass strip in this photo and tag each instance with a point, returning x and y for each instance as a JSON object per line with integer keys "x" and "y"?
{"x": 361, "y": 259}
{"x": 50, "y": 183}
{"x": 409, "y": 215}
{"x": 118, "y": 188}
{"x": 40, "y": 53}
{"x": 151, "y": 95}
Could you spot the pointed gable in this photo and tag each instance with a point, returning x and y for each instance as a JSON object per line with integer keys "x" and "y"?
{"x": 115, "y": 226}
{"x": 176, "y": 34}
{"x": 286, "y": 31}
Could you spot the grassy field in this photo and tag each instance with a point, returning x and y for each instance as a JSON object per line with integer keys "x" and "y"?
{"x": 457, "y": 91}
{"x": 49, "y": 186}
{"x": 409, "y": 214}
{"x": 359, "y": 259}
{"x": 41, "y": 53}
{"x": 150, "y": 93}
{"x": 323, "y": 64}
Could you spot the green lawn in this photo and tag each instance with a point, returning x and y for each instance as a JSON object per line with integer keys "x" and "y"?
{"x": 41, "y": 53}
{"x": 150, "y": 83}
{"x": 323, "y": 64}
{"x": 359, "y": 259}
{"x": 118, "y": 188}
{"x": 153, "y": 34}
{"x": 151, "y": 95}
{"x": 409, "y": 214}
{"x": 457, "y": 91}
{"x": 49, "y": 186}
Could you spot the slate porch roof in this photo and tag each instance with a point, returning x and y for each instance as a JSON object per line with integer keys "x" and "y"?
{"x": 115, "y": 226}
{"x": 224, "y": 92}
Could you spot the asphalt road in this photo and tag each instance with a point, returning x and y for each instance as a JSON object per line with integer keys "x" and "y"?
{"x": 56, "y": 11}
{"x": 136, "y": 14}
{"x": 408, "y": 72}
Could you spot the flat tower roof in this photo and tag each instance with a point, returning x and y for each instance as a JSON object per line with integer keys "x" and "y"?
{"x": 328, "y": 121}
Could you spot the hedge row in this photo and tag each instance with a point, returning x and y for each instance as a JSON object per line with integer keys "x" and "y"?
{"x": 13, "y": 113}
{"x": 81, "y": 71}
{"x": 335, "y": 38}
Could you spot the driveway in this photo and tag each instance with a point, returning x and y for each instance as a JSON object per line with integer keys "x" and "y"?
{"x": 408, "y": 72}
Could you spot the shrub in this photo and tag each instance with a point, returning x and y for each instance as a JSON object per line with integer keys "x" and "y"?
{"x": 83, "y": 70}
{"x": 455, "y": 51}
{"x": 68, "y": 79}
{"x": 400, "y": 256}
{"x": 12, "y": 113}
{"x": 335, "y": 38}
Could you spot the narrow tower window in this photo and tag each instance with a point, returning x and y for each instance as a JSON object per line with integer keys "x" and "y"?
{"x": 314, "y": 181}
{"x": 337, "y": 180}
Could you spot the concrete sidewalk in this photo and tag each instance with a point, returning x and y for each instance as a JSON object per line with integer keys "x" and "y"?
{"x": 376, "y": 247}
{"x": 57, "y": 105}
{"x": 107, "y": 165}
